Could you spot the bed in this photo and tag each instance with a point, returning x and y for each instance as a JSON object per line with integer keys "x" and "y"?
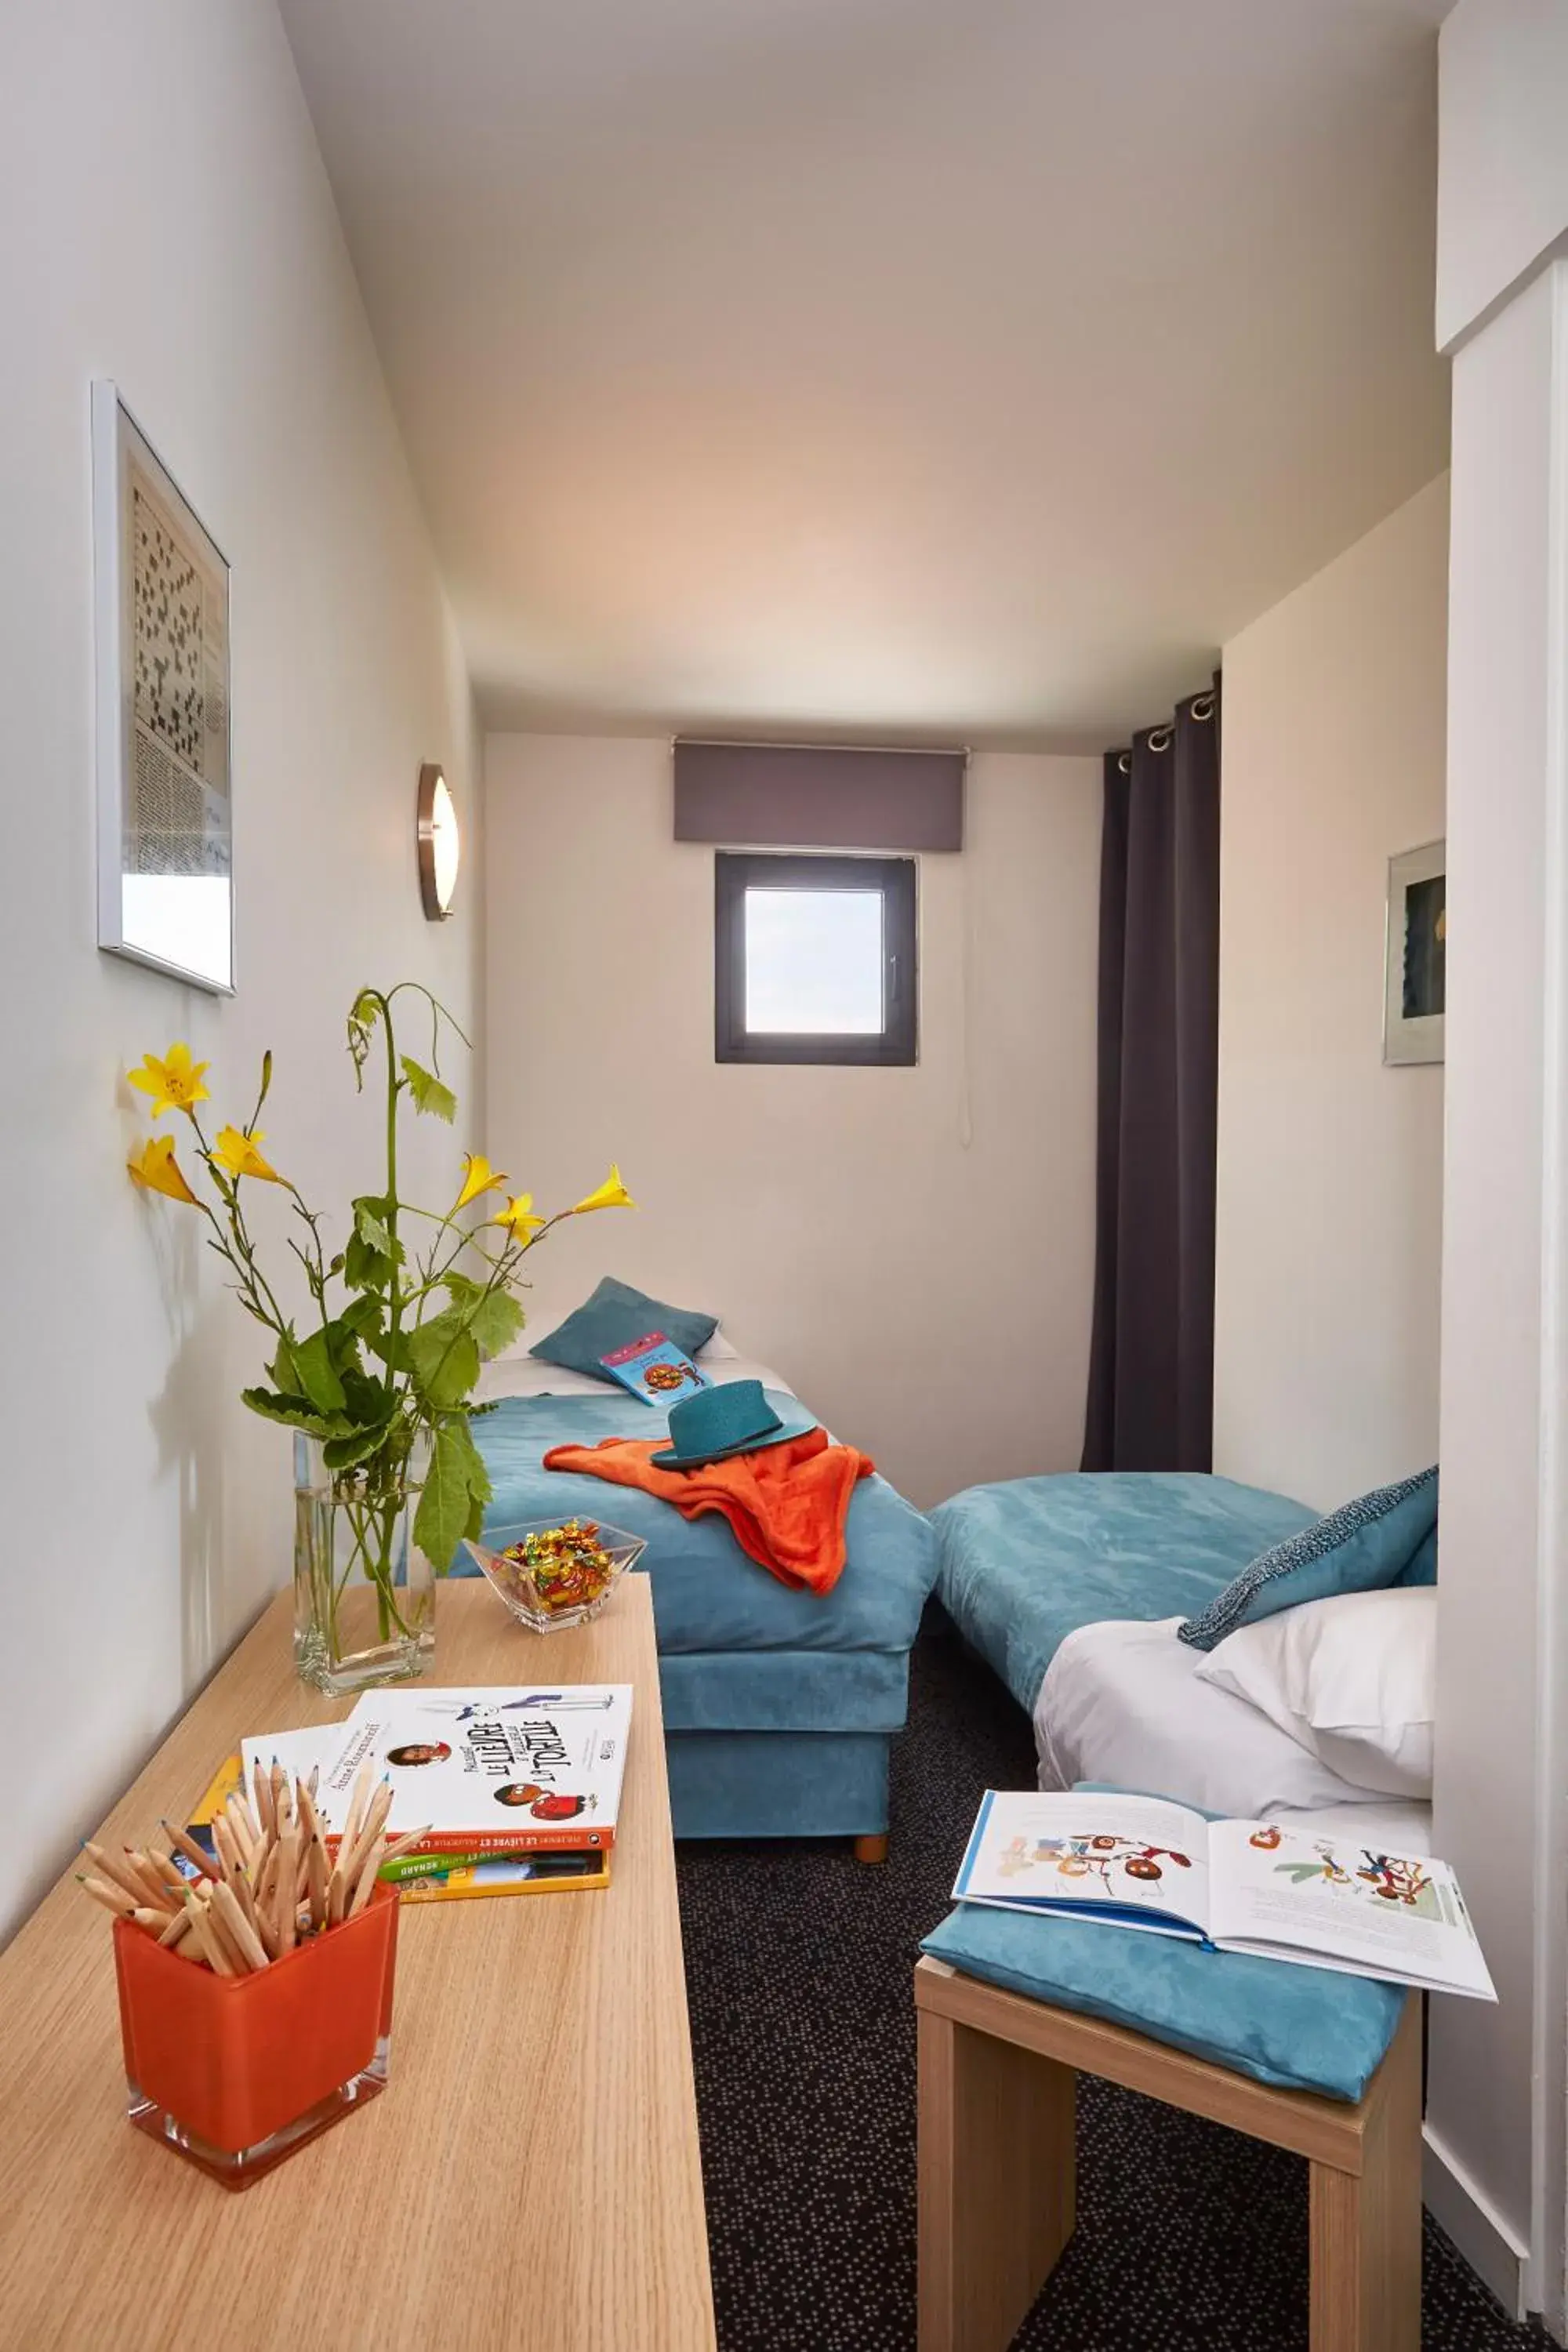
{"x": 779, "y": 1705}
{"x": 1071, "y": 1588}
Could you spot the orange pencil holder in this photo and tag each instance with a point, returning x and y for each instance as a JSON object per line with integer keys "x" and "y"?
{"x": 236, "y": 2072}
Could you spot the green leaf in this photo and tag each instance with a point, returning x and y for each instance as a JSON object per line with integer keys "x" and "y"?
{"x": 445, "y": 1360}
{"x": 365, "y": 1269}
{"x": 392, "y": 1347}
{"x": 479, "y": 1476}
{"x": 369, "y": 1401}
{"x": 372, "y": 1254}
{"x": 363, "y": 1014}
{"x": 428, "y": 1093}
{"x": 494, "y": 1316}
{"x": 369, "y": 1225}
{"x": 341, "y": 1453}
{"x": 363, "y": 1317}
{"x": 446, "y": 1505}
{"x": 281, "y": 1372}
{"x": 313, "y": 1367}
{"x": 495, "y": 1322}
{"x": 293, "y": 1411}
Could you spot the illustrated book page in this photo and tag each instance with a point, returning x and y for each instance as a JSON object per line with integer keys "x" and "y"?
{"x": 1134, "y": 1861}
{"x": 1342, "y": 1905}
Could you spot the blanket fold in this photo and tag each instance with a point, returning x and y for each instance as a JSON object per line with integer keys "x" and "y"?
{"x": 786, "y": 1504}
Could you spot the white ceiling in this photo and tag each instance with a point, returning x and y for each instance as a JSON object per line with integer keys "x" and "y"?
{"x": 928, "y": 368}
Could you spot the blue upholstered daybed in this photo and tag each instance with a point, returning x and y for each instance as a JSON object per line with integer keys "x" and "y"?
{"x": 1073, "y": 1588}
{"x": 779, "y": 1705}
{"x": 1027, "y": 1561}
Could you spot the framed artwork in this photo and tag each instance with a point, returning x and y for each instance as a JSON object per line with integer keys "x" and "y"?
{"x": 1416, "y": 957}
{"x": 166, "y": 834}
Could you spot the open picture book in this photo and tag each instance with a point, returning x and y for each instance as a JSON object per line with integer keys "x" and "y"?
{"x": 1240, "y": 1887}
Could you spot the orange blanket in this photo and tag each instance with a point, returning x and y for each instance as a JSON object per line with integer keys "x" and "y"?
{"x": 786, "y": 1503}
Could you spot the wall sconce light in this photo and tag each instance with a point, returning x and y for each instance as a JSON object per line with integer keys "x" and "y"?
{"x": 441, "y": 844}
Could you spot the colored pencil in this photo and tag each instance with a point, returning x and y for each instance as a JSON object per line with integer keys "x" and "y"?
{"x": 273, "y": 1883}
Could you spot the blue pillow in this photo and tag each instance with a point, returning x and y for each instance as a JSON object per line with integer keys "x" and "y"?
{"x": 1362, "y": 1546}
{"x": 613, "y": 1317}
{"x": 1423, "y": 1568}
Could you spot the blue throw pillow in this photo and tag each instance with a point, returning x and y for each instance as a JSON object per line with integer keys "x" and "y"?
{"x": 1362, "y": 1546}
{"x": 613, "y": 1317}
{"x": 1423, "y": 1568}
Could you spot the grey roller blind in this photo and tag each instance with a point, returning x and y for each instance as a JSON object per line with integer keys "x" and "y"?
{"x": 780, "y": 796}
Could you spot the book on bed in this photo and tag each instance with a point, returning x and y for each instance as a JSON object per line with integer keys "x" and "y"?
{"x": 655, "y": 1369}
{"x": 1238, "y": 1886}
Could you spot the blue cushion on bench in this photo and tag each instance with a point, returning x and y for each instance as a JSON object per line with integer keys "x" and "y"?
{"x": 1300, "y": 2029}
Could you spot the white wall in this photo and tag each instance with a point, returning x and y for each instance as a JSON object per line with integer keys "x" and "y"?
{"x": 1502, "y": 192}
{"x": 1497, "y": 2118}
{"x": 912, "y": 1248}
{"x": 1499, "y": 1668}
{"x": 169, "y": 224}
{"x": 1330, "y": 1166}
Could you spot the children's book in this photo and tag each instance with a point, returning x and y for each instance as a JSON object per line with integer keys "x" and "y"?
{"x": 491, "y": 1770}
{"x": 421, "y": 1878}
{"x": 457, "y": 1879}
{"x": 654, "y": 1369}
{"x": 1239, "y": 1886}
{"x": 297, "y": 1751}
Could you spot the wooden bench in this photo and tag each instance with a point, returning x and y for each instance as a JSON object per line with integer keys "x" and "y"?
{"x": 997, "y": 2081}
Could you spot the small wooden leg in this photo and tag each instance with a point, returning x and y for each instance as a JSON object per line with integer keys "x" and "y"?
{"x": 1366, "y": 2230}
{"x": 996, "y": 2183}
{"x": 871, "y": 1849}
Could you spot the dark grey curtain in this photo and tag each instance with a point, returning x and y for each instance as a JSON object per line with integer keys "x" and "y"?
{"x": 1151, "y": 1386}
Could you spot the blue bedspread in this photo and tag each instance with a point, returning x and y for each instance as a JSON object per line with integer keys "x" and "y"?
{"x": 707, "y": 1595}
{"x": 1026, "y": 1563}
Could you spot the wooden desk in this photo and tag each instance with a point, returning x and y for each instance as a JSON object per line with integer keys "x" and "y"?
{"x": 530, "y": 2177}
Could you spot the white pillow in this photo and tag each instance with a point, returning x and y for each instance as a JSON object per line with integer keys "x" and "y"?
{"x": 717, "y": 1350}
{"x": 1349, "y": 1678}
{"x": 1123, "y": 1703}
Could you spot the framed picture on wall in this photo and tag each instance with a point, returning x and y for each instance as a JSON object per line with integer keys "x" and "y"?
{"x": 1416, "y": 957}
{"x": 165, "y": 833}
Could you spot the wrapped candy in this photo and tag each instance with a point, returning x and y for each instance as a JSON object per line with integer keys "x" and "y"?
{"x": 567, "y": 1566}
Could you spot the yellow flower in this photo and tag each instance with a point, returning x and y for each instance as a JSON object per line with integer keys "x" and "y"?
{"x": 518, "y": 1220}
{"x": 239, "y": 1154}
{"x": 174, "y": 1083}
{"x": 156, "y": 1171}
{"x": 611, "y": 1194}
{"x": 479, "y": 1177}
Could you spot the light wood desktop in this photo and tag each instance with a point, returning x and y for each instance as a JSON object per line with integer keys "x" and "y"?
{"x": 531, "y": 2178}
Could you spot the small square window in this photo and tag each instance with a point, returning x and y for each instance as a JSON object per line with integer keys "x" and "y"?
{"x": 815, "y": 959}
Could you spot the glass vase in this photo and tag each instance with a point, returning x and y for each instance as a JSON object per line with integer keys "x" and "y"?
{"x": 364, "y": 1594}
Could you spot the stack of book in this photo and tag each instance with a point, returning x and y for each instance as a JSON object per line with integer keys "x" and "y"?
{"x": 496, "y": 1791}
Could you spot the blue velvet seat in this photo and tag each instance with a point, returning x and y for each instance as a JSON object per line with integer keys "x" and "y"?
{"x": 779, "y": 1705}
{"x": 1299, "y": 2027}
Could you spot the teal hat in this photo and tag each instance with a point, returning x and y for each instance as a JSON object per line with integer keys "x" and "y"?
{"x": 735, "y": 1418}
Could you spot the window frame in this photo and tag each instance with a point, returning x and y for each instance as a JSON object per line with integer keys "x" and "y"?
{"x": 897, "y": 1044}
